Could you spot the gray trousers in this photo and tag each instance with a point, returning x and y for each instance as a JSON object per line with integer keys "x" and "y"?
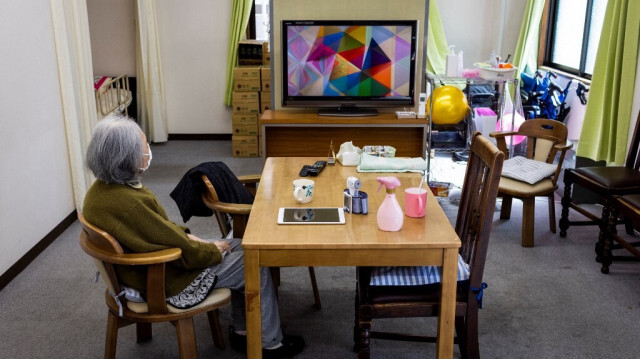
{"x": 231, "y": 275}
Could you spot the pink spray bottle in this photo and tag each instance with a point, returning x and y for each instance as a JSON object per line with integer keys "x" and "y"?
{"x": 390, "y": 216}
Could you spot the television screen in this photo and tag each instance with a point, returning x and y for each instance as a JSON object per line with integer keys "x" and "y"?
{"x": 352, "y": 63}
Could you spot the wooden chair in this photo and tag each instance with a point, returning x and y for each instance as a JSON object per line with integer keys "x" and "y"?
{"x": 629, "y": 208}
{"x": 473, "y": 226}
{"x": 545, "y": 139}
{"x": 239, "y": 214}
{"x": 107, "y": 252}
{"x": 607, "y": 182}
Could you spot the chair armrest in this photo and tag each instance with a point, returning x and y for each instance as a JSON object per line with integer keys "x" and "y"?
{"x": 249, "y": 178}
{"x": 162, "y": 256}
{"x": 224, "y": 207}
{"x": 502, "y": 134}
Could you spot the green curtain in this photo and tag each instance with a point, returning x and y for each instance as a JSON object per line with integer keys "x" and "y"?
{"x": 608, "y": 112}
{"x": 525, "y": 57}
{"x": 240, "y": 11}
{"x": 437, "y": 48}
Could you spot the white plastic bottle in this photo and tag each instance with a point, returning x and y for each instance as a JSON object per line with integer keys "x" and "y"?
{"x": 460, "y": 64}
{"x": 452, "y": 62}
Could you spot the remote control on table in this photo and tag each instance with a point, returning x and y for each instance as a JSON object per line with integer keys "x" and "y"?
{"x": 316, "y": 168}
{"x": 304, "y": 171}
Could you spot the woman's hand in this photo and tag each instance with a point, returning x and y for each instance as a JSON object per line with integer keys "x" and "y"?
{"x": 223, "y": 246}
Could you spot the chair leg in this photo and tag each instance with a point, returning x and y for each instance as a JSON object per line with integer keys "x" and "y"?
{"x": 364, "y": 332}
{"x": 314, "y": 286}
{"x": 473, "y": 349}
{"x": 604, "y": 221}
{"x": 112, "y": 336}
{"x": 609, "y": 232}
{"x": 216, "y": 332}
{"x": 461, "y": 334}
{"x": 186, "y": 338}
{"x": 505, "y": 210}
{"x": 143, "y": 332}
{"x": 528, "y": 218}
{"x": 628, "y": 226}
{"x": 552, "y": 213}
{"x": 566, "y": 202}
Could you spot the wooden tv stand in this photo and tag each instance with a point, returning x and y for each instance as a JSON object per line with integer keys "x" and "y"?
{"x": 305, "y": 134}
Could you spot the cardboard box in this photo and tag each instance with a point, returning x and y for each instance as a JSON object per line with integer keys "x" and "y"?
{"x": 245, "y": 129}
{"x": 266, "y": 58}
{"x": 265, "y": 101}
{"x": 244, "y": 119}
{"x": 244, "y": 146}
{"x": 265, "y": 76}
{"x": 247, "y": 72}
{"x": 246, "y": 107}
{"x": 251, "y": 52}
{"x": 246, "y": 85}
{"x": 265, "y": 73}
{"x": 245, "y": 96}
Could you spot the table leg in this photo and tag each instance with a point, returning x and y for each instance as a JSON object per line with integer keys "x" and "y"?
{"x": 447, "y": 316}
{"x": 252, "y": 299}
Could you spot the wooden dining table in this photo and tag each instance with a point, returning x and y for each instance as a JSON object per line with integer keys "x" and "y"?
{"x": 430, "y": 240}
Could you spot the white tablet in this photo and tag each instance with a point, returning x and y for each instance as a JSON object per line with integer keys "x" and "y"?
{"x": 300, "y": 215}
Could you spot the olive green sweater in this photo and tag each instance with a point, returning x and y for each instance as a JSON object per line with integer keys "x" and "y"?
{"x": 137, "y": 220}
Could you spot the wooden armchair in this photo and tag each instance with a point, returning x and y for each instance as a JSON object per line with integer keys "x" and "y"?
{"x": 545, "y": 139}
{"x": 473, "y": 226}
{"x": 607, "y": 182}
{"x": 107, "y": 252}
{"x": 629, "y": 208}
{"x": 238, "y": 223}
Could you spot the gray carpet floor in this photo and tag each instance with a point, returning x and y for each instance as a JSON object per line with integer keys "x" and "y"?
{"x": 550, "y": 301}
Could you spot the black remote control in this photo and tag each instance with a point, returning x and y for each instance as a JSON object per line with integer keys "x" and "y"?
{"x": 316, "y": 168}
{"x": 312, "y": 170}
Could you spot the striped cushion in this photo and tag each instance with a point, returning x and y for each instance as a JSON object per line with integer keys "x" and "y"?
{"x": 527, "y": 170}
{"x": 414, "y": 275}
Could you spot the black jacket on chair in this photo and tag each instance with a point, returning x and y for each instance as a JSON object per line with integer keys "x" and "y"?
{"x": 188, "y": 192}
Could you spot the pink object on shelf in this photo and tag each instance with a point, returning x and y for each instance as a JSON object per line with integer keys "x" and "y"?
{"x": 470, "y": 73}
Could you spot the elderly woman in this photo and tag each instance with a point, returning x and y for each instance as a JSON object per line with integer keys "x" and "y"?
{"x": 119, "y": 204}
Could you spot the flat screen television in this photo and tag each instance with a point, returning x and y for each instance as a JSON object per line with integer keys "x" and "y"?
{"x": 348, "y": 67}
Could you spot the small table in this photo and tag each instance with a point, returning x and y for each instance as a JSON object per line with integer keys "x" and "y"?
{"x": 421, "y": 241}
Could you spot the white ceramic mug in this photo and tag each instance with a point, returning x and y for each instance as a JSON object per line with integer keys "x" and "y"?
{"x": 303, "y": 190}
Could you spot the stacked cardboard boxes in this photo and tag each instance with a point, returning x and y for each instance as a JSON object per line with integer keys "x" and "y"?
{"x": 246, "y": 107}
{"x": 265, "y": 93}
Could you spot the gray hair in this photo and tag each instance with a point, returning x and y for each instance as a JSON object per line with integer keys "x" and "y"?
{"x": 115, "y": 150}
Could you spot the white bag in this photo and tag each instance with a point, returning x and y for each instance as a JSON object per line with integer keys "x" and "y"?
{"x": 349, "y": 155}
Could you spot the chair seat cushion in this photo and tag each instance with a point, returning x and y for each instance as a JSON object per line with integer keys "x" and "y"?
{"x": 527, "y": 170}
{"x": 417, "y": 275}
{"x": 521, "y": 189}
{"x": 629, "y": 205}
{"x": 217, "y": 296}
{"x": 417, "y": 293}
{"x": 614, "y": 179}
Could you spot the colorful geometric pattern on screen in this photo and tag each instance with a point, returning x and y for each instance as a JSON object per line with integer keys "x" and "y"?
{"x": 349, "y": 60}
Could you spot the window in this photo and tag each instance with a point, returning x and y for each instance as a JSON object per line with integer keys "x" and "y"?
{"x": 262, "y": 19}
{"x": 573, "y": 35}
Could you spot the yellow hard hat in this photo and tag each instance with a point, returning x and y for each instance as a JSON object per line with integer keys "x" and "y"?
{"x": 450, "y": 105}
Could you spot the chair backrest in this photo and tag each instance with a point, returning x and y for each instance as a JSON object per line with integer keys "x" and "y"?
{"x": 98, "y": 244}
{"x": 477, "y": 204}
{"x": 633, "y": 157}
{"x": 542, "y": 134}
{"x": 211, "y": 196}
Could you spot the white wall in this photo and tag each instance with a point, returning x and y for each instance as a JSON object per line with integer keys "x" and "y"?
{"x": 113, "y": 42}
{"x": 474, "y": 27}
{"x": 35, "y": 180}
{"x": 193, "y": 42}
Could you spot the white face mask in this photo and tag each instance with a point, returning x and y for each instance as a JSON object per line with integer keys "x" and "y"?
{"x": 148, "y": 161}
